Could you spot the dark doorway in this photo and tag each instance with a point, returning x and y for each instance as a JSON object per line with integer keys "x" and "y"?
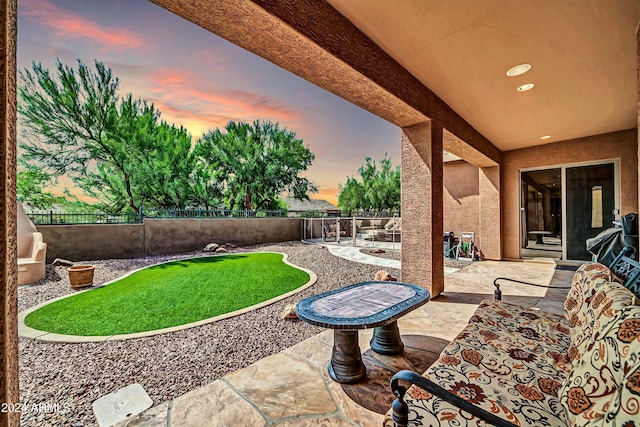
{"x": 590, "y": 206}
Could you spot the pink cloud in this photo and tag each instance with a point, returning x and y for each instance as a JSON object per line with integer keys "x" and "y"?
{"x": 184, "y": 97}
{"x": 65, "y": 23}
{"x": 195, "y": 121}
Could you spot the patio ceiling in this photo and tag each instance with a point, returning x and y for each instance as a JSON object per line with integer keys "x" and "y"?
{"x": 582, "y": 53}
{"x": 412, "y": 60}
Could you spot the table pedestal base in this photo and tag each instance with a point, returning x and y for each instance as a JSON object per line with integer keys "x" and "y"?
{"x": 386, "y": 340}
{"x": 346, "y": 365}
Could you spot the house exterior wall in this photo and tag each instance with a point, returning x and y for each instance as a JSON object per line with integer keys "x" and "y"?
{"x": 161, "y": 236}
{"x": 461, "y": 197}
{"x": 621, "y": 145}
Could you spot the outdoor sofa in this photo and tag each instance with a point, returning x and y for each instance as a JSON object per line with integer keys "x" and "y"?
{"x": 517, "y": 366}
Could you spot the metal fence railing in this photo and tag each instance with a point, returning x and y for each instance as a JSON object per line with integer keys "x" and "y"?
{"x": 228, "y": 213}
{"x": 212, "y": 213}
{"x": 57, "y": 217}
{"x": 360, "y": 231}
{"x": 52, "y": 217}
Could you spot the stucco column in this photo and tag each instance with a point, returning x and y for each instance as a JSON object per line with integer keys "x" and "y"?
{"x": 422, "y": 206}
{"x": 8, "y": 239}
{"x": 489, "y": 239}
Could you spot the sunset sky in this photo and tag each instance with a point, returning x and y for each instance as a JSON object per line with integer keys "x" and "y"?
{"x": 201, "y": 81}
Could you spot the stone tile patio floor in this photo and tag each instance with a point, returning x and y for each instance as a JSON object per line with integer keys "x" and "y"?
{"x": 292, "y": 388}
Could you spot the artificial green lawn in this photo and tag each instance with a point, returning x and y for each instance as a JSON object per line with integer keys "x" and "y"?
{"x": 171, "y": 294}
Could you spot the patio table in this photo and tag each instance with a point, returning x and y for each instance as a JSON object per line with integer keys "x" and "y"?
{"x": 361, "y": 306}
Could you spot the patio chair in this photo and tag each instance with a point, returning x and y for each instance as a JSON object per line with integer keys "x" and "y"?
{"x": 330, "y": 231}
{"x": 393, "y": 229}
{"x": 32, "y": 251}
{"x": 466, "y": 249}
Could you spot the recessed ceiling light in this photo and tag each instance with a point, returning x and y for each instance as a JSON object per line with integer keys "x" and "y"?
{"x": 524, "y": 87}
{"x": 545, "y": 137}
{"x": 518, "y": 70}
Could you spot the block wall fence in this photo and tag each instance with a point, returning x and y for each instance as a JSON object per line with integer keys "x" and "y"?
{"x": 162, "y": 236}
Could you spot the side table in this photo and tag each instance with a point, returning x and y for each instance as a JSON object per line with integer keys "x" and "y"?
{"x": 361, "y": 306}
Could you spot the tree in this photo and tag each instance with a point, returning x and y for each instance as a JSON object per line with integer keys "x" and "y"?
{"x": 114, "y": 149}
{"x": 29, "y": 187}
{"x": 206, "y": 186}
{"x": 377, "y": 190}
{"x": 167, "y": 169}
{"x": 256, "y": 162}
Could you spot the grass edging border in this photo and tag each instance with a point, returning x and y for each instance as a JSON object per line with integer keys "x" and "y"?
{"x": 28, "y": 332}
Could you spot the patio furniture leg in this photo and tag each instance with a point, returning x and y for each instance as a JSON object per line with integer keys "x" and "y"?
{"x": 346, "y": 364}
{"x": 386, "y": 340}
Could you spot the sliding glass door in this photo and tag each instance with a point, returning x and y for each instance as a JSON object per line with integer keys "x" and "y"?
{"x": 563, "y": 206}
{"x": 591, "y": 206}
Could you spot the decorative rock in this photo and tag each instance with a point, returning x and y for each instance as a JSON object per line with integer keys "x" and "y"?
{"x": 211, "y": 247}
{"x": 230, "y": 245}
{"x": 377, "y": 251}
{"x": 59, "y": 261}
{"x": 383, "y": 276}
{"x": 289, "y": 312}
{"x": 220, "y": 250}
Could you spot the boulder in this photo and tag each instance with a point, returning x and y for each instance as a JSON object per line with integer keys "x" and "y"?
{"x": 289, "y": 312}
{"x": 221, "y": 250}
{"x": 211, "y": 247}
{"x": 59, "y": 261}
{"x": 383, "y": 276}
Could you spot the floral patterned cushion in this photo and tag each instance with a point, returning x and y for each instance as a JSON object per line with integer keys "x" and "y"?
{"x": 607, "y": 300}
{"x": 546, "y": 329}
{"x": 587, "y": 280}
{"x": 501, "y": 363}
{"x": 603, "y": 389}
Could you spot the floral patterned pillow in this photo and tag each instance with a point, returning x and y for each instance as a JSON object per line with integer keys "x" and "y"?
{"x": 582, "y": 290}
{"x": 607, "y": 300}
{"x": 603, "y": 389}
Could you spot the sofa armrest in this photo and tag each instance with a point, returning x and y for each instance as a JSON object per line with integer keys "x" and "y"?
{"x": 39, "y": 248}
{"x": 400, "y": 410}
{"x": 497, "y": 292}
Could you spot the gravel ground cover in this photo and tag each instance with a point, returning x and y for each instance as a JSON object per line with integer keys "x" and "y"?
{"x": 168, "y": 365}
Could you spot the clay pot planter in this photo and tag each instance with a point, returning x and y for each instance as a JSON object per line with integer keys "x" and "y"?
{"x": 81, "y": 276}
